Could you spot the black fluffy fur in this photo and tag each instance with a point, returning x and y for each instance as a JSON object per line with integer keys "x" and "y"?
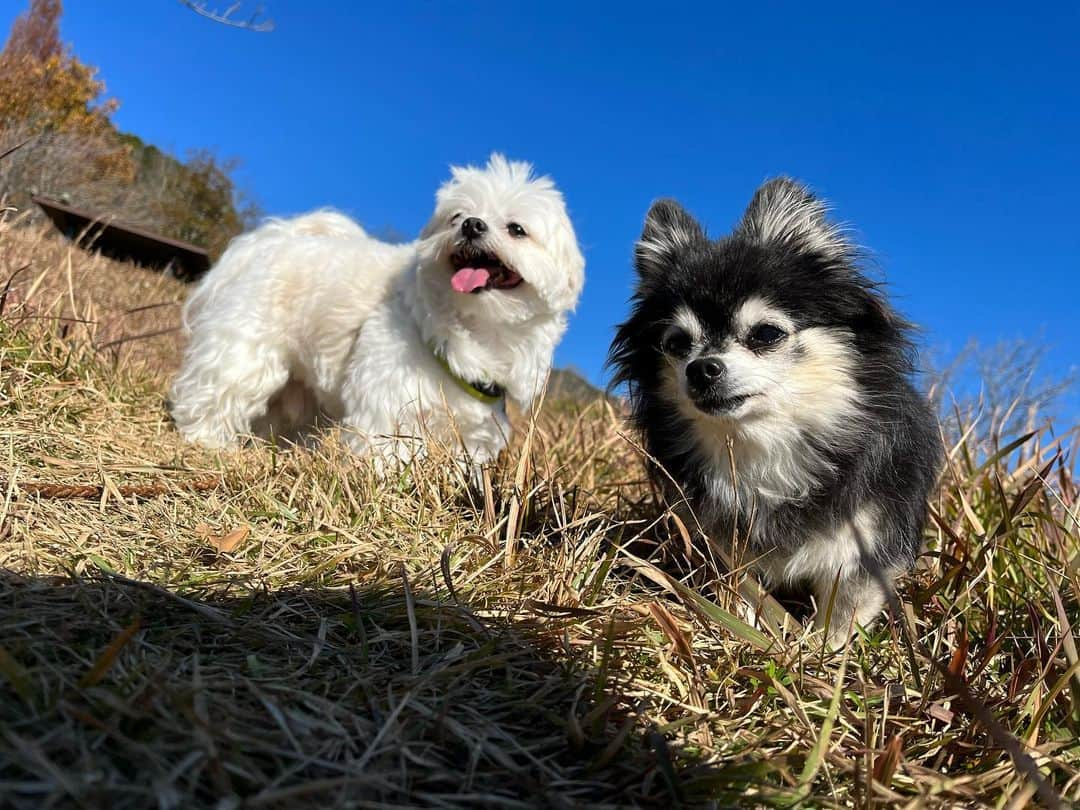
{"x": 890, "y": 458}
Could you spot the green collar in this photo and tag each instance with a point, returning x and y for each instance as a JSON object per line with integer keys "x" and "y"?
{"x": 488, "y": 393}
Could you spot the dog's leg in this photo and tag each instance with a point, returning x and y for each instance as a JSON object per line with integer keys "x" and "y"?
{"x": 221, "y": 391}
{"x": 291, "y": 415}
{"x": 859, "y": 597}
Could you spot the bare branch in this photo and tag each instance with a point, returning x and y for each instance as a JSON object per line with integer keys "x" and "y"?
{"x": 16, "y": 147}
{"x": 252, "y": 23}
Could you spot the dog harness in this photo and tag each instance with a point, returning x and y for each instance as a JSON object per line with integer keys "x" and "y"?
{"x": 488, "y": 393}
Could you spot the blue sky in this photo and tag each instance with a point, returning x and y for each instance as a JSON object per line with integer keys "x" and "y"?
{"x": 947, "y": 134}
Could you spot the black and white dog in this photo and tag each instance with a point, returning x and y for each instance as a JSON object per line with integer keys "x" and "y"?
{"x": 773, "y": 383}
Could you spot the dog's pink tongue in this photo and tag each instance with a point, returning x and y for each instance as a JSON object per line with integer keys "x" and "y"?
{"x": 468, "y": 279}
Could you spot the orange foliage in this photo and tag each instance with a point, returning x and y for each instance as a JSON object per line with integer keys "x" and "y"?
{"x": 55, "y": 94}
{"x": 41, "y": 81}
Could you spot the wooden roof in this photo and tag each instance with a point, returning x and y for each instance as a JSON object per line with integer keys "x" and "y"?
{"x": 125, "y": 242}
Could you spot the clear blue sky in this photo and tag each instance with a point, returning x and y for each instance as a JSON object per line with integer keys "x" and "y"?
{"x": 948, "y": 134}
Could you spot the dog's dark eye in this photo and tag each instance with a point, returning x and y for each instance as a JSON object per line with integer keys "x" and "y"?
{"x": 763, "y": 335}
{"x": 676, "y": 344}
{"x": 516, "y": 230}
{"x": 455, "y": 218}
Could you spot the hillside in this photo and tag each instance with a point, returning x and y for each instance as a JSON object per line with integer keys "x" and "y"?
{"x": 569, "y": 385}
{"x": 279, "y": 628}
{"x": 58, "y": 140}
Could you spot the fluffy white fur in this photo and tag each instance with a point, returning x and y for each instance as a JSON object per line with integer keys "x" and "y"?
{"x": 312, "y": 315}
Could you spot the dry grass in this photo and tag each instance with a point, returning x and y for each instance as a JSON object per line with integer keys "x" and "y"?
{"x": 305, "y": 633}
{"x": 119, "y": 308}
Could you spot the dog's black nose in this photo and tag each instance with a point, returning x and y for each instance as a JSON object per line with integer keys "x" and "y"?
{"x": 473, "y": 227}
{"x": 704, "y": 371}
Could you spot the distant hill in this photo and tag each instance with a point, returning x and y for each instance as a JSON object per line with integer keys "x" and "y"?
{"x": 569, "y": 385}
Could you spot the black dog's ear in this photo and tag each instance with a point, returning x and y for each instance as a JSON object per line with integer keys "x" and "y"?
{"x": 669, "y": 228}
{"x": 785, "y": 212}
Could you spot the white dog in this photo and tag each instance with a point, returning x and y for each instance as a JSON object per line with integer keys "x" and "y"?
{"x": 395, "y": 342}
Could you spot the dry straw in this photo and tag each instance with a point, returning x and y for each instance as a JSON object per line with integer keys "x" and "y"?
{"x": 303, "y": 632}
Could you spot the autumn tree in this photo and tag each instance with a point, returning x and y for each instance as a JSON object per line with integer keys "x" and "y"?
{"x": 49, "y": 97}
{"x": 37, "y": 32}
{"x": 43, "y": 84}
{"x": 73, "y": 152}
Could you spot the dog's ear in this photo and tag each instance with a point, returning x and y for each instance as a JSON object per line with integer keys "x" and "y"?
{"x": 669, "y": 229}
{"x": 785, "y": 212}
{"x": 564, "y": 247}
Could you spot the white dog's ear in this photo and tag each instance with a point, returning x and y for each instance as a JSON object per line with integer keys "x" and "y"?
{"x": 432, "y": 226}
{"x": 669, "y": 229}
{"x": 444, "y": 197}
{"x": 572, "y": 264}
{"x": 785, "y": 212}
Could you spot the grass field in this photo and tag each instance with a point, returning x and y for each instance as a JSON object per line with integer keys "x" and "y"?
{"x": 276, "y": 628}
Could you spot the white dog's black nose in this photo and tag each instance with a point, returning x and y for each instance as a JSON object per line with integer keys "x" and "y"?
{"x": 704, "y": 372}
{"x": 474, "y": 228}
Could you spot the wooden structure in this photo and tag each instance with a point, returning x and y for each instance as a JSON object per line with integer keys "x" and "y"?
{"x": 126, "y": 242}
